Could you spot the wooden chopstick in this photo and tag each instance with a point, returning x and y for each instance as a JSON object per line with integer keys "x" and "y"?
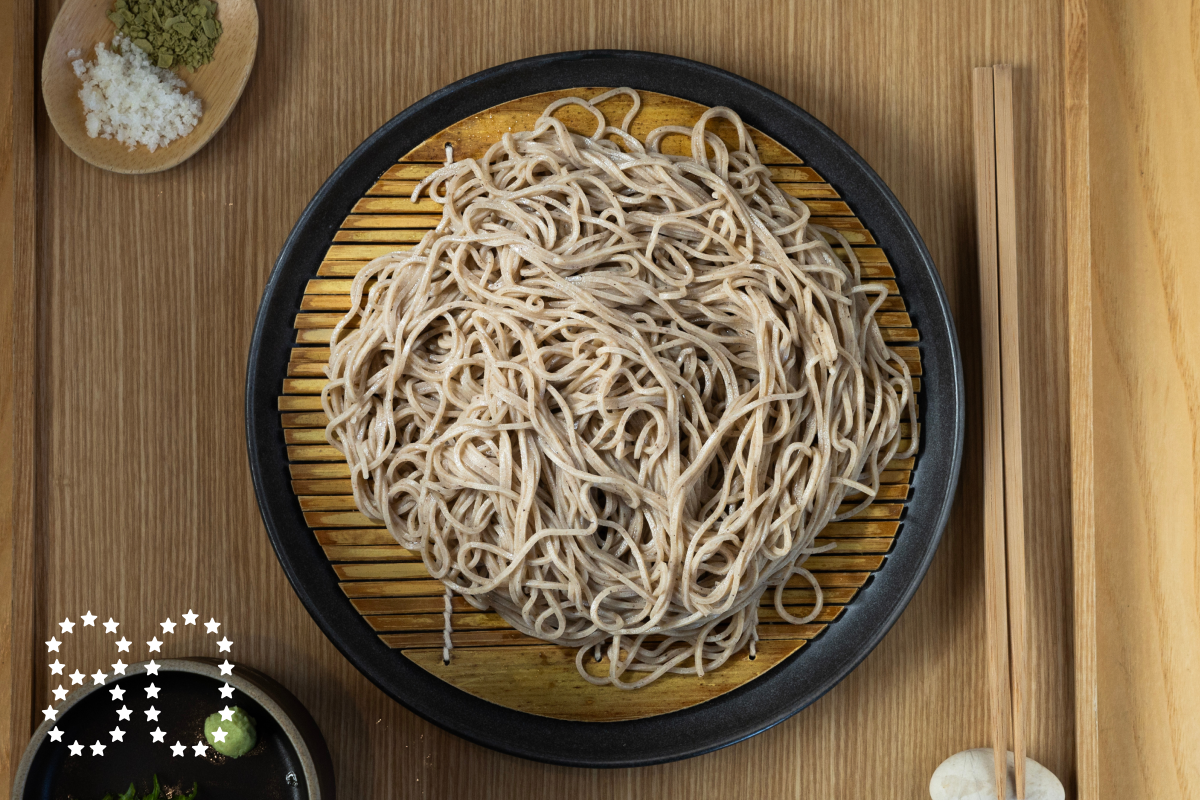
{"x": 1004, "y": 513}
{"x": 1010, "y": 355}
{"x": 993, "y": 432}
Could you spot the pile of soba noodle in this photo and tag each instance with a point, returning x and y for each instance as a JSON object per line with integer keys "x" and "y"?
{"x": 616, "y": 394}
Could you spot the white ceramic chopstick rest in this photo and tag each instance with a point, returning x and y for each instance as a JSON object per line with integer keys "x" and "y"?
{"x": 969, "y": 776}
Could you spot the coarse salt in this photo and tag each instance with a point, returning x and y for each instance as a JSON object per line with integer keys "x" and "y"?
{"x": 127, "y": 98}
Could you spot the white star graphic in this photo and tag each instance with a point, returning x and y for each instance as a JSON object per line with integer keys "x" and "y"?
{"x": 226, "y": 667}
{"x": 110, "y": 626}
{"x": 226, "y": 714}
{"x": 97, "y": 749}
{"x": 56, "y": 668}
{"x": 60, "y": 693}
{"x": 98, "y": 678}
{"x": 223, "y": 646}
{"x": 227, "y": 691}
{"x": 155, "y": 645}
{"x": 52, "y": 645}
{"x": 152, "y": 691}
{"x": 117, "y": 693}
{"x": 201, "y": 748}
{"x": 168, "y": 626}
{"x": 76, "y": 749}
{"x": 117, "y": 734}
{"x": 212, "y": 625}
{"x": 189, "y": 618}
{"x": 76, "y": 678}
{"x": 177, "y": 749}
{"x": 89, "y": 620}
{"x": 152, "y": 667}
{"x": 152, "y": 714}
{"x": 50, "y": 712}
{"x": 157, "y": 735}
{"x": 66, "y": 625}
{"x": 119, "y": 667}
{"x": 55, "y": 734}
{"x": 123, "y": 645}
{"x": 123, "y": 713}
{"x": 219, "y": 734}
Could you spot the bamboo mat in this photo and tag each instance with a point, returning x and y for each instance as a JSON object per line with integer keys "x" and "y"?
{"x": 389, "y": 586}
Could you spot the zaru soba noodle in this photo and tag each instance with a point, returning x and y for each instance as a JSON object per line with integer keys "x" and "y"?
{"x": 616, "y": 394}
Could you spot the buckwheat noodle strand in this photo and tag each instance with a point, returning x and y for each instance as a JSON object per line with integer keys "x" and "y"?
{"x": 616, "y": 394}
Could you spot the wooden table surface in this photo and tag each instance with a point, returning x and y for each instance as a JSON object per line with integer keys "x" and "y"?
{"x": 130, "y": 390}
{"x": 1145, "y": 112}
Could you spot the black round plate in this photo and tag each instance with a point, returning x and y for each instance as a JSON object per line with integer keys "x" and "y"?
{"x": 763, "y": 702}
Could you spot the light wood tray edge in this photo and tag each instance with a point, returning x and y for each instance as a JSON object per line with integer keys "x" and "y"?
{"x": 1079, "y": 294}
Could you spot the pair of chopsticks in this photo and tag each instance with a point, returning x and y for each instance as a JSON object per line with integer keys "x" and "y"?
{"x": 1003, "y": 506}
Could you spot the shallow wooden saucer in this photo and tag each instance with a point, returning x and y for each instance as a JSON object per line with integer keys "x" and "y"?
{"x": 218, "y": 84}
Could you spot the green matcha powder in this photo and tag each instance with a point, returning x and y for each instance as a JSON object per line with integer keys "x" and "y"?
{"x": 171, "y": 32}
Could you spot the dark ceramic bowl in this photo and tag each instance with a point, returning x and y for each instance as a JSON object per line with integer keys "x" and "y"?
{"x": 289, "y": 761}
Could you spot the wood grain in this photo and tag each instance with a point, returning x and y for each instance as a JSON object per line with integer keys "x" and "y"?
{"x": 472, "y": 670}
{"x": 18, "y": 231}
{"x": 1145, "y": 109}
{"x": 8, "y": 208}
{"x": 145, "y": 506}
{"x": 1010, "y": 383}
{"x": 996, "y": 599}
{"x": 1079, "y": 311}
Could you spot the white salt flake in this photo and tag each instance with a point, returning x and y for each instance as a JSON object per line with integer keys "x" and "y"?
{"x": 127, "y": 98}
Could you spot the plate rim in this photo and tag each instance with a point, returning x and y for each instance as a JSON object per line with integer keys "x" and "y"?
{"x": 768, "y": 699}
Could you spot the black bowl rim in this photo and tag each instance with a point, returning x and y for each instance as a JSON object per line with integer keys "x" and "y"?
{"x": 773, "y": 696}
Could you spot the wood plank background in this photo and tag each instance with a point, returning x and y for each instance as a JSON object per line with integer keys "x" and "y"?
{"x": 1145, "y": 111}
{"x": 146, "y": 293}
{"x": 1078, "y": 213}
{"x": 17, "y": 376}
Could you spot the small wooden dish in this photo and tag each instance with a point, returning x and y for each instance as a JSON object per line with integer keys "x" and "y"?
{"x": 218, "y": 84}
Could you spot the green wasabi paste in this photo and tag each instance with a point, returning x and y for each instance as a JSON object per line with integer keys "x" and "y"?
{"x": 237, "y": 735}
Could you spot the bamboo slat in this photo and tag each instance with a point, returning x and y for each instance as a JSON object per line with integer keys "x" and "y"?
{"x": 388, "y": 584}
{"x": 409, "y": 171}
{"x": 472, "y": 136}
{"x": 898, "y": 469}
{"x": 434, "y": 603}
{"x": 887, "y": 491}
{"x": 326, "y": 502}
{"x": 342, "y": 303}
{"x": 408, "y": 229}
{"x": 527, "y": 669}
{"x": 313, "y": 333}
{"x": 315, "y": 385}
{"x": 374, "y": 551}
